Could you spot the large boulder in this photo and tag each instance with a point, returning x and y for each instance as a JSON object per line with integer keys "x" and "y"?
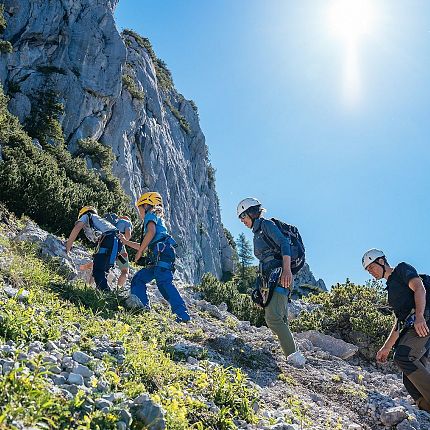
{"x": 330, "y": 344}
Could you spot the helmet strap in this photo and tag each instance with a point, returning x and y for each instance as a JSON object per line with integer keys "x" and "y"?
{"x": 383, "y": 267}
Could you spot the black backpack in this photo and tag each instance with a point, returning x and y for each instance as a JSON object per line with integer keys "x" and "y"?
{"x": 426, "y": 281}
{"x": 297, "y": 247}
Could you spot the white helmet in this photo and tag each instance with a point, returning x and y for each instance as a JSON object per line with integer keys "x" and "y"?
{"x": 247, "y": 203}
{"x": 370, "y": 256}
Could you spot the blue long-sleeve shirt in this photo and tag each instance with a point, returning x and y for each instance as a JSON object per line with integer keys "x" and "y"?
{"x": 261, "y": 249}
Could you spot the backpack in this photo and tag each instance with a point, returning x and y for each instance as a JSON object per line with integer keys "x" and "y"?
{"x": 297, "y": 246}
{"x": 112, "y": 218}
{"x": 426, "y": 282}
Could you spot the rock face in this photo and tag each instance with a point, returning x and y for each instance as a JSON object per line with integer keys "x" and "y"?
{"x": 305, "y": 283}
{"x": 115, "y": 90}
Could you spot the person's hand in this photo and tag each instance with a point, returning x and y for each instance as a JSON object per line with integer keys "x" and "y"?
{"x": 421, "y": 326}
{"x": 66, "y": 245}
{"x": 123, "y": 239}
{"x": 382, "y": 354}
{"x": 137, "y": 257}
{"x": 286, "y": 278}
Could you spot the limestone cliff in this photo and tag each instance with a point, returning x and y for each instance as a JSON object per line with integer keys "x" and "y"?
{"x": 114, "y": 89}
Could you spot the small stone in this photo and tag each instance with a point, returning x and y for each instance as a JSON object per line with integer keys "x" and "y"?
{"x": 58, "y": 379}
{"x": 22, "y": 356}
{"x": 75, "y": 379}
{"x": 83, "y": 370}
{"x": 8, "y": 366}
{"x": 103, "y": 404}
{"x": 66, "y": 393}
{"x": 49, "y": 359}
{"x": 73, "y": 389}
{"x": 55, "y": 369}
{"x": 81, "y": 357}
{"x": 51, "y": 346}
{"x": 102, "y": 386}
{"x": 7, "y": 349}
{"x": 223, "y": 307}
{"x": 355, "y": 427}
{"x": 125, "y": 416}
{"x": 36, "y": 347}
{"x": 193, "y": 361}
{"x": 408, "y": 424}
{"x": 393, "y": 416}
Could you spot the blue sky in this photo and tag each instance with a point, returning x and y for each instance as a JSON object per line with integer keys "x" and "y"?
{"x": 322, "y": 117}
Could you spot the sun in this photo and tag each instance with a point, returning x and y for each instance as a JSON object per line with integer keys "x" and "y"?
{"x": 350, "y": 20}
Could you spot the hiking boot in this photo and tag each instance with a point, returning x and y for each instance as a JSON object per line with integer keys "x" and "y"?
{"x": 423, "y": 404}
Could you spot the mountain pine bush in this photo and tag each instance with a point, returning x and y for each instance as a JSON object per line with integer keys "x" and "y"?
{"x": 50, "y": 185}
{"x": 238, "y": 304}
{"x": 354, "y": 313}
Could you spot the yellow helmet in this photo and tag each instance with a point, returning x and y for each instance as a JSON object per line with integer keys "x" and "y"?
{"x": 86, "y": 209}
{"x": 152, "y": 198}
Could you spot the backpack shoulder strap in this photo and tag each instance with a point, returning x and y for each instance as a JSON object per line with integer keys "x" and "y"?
{"x": 90, "y": 220}
{"x": 269, "y": 242}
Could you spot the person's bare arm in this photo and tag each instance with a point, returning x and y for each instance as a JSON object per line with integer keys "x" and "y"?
{"x": 149, "y": 235}
{"x": 127, "y": 233}
{"x": 287, "y": 276}
{"x": 73, "y": 235}
{"x": 382, "y": 354}
{"x": 416, "y": 285}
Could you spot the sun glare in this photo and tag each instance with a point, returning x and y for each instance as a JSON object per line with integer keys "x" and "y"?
{"x": 350, "y": 21}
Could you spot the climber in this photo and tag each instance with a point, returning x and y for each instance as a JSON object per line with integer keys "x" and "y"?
{"x": 159, "y": 260}
{"x": 99, "y": 231}
{"x": 410, "y": 335}
{"x": 125, "y": 227}
{"x": 250, "y": 213}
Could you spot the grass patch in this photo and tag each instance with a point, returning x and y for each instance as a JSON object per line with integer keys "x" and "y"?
{"x": 56, "y": 307}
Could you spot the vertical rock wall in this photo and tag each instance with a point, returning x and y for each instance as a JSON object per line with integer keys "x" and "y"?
{"x": 115, "y": 90}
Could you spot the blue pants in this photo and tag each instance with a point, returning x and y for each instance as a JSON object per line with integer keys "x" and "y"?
{"x": 104, "y": 260}
{"x": 164, "y": 279}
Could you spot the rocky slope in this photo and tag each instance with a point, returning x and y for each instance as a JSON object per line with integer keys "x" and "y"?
{"x": 324, "y": 387}
{"x": 114, "y": 89}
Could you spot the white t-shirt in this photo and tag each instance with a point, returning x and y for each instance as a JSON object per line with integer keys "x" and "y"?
{"x": 98, "y": 227}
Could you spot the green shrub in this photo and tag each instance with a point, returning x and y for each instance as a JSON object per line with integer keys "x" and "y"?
{"x": 194, "y": 106}
{"x": 3, "y": 23}
{"x": 238, "y": 304}
{"x": 43, "y": 122}
{"x": 182, "y": 121}
{"x": 164, "y": 76}
{"x": 51, "y": 185}
{"x": 5, "y": 46}
{"x": 211, "y": 176}
{"x": 98, "y": 153}
{"x": 352, "y": 313}
{"x": 132, "y": 88}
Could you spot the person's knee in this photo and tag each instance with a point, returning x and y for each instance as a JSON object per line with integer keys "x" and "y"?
{"x": 404, "y": 360}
